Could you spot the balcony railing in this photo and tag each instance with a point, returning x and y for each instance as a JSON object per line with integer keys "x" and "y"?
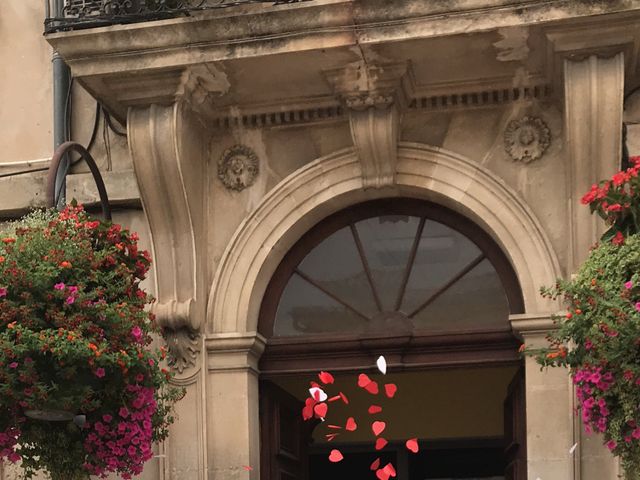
{"x": 76, "y": 14}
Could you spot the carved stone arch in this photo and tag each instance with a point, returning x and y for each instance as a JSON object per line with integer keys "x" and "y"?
{"x": 335, "y": 182}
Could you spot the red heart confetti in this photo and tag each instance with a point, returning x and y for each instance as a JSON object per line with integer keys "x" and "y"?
{"x": 351, "y": 425}
{"x": 363, "y": 380}
{"x": 381, "y": 443}
{"x": 321, "y": 410}
{"x": 390, "y": 389}
{"x": 335, "y": 456}
{"x": 331, "y": 436}
{"x": 314, "y": 384}
{"x": 412, "y": 445}
{"x": 389, "y": 468}
{"x": 378, "y": 427}
{"x": 382, "y": 475}
{"x": 372, "y": 388}
{"x": 326, "y": 378}
{"x": 318, "y": 394}
{"x": 335, "y": 398}
{"x": 375, "y": 465}
{"x": 344, "y": 398}
{"x": 373, "y": 409}
{"x": 335, "y": 427}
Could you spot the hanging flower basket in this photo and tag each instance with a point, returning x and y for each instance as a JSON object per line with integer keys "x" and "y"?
{"x": 599, "y": 337}
{"x": 81, "y": 392}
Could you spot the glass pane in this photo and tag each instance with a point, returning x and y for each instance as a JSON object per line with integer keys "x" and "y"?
{"x": 442, "y": 253}
{"x": 477, "y": 301}
{"x": 336, "y": 265}
{"x": 387, "y": 242}
{"x": 304, "y": 309}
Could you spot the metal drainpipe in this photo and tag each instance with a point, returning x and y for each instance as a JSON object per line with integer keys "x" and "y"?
{"x": 61, "y": 80}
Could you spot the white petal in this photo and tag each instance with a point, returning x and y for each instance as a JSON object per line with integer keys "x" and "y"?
{"x": 321, "y": 396}
{"x": 382, "y": 365}
{"x": 573, "y": 449}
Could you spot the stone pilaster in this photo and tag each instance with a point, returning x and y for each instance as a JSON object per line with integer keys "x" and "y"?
{"x": 593, "y": 89}
{"x": 233, "y": 440}
{"x": 549, "y": 407}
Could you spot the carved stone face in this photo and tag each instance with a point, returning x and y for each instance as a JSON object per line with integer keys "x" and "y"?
{"x": 238, "y": 168}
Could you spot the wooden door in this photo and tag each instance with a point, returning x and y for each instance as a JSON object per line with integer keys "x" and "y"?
{"x": 515, "y": 429}
{"x": 284, "y": 436}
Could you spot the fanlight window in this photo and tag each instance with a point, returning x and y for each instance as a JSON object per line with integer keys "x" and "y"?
{"x": 383, "y": 273}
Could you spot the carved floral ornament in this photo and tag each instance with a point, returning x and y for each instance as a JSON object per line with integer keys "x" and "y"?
{"x": 527, "y": 139}
{"x": 238, "y": 168}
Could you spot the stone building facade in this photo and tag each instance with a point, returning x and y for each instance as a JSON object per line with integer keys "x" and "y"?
{"x": 258, "y": 131}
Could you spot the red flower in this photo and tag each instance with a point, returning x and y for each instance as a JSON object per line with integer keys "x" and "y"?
{"x": 618, "y": 239}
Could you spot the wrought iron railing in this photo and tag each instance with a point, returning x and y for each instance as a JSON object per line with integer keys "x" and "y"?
{"x": 76, "y": 14}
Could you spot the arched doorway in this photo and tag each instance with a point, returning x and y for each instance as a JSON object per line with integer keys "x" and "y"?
{"x": 429, "y": 290}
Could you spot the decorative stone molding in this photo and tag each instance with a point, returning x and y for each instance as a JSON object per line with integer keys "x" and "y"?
{"x": 527, "y": 139}
{"x": 335, "y": 182}
{"x": 238, "y": 168}
{"x": 165, "y": 143}
{"x": 373, "y": 95}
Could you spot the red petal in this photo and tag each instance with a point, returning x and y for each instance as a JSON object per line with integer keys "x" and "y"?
{"x": 378, "y": 427}
{"x": 314, "y": 384}
{"x": 373, "y": 409}
{"x": 412, "y": 445}
{"x": 376, "y": 463}
{"x": 390, "y": 389}
{"x": 363, "y": 380}
{"x": 335, "y": 456}
{"x": 333, "y": 399}
{"x": 344, "y": 398}
{"x": 372, "y": 388}
{"x": 351, "y": 425}
{"x": 307, "y": 412}
{"x": 326, "y": 378}
{"x": 380, "y": 443}
{"x": 388, "y": 468}
{"x": 321, "y": 410}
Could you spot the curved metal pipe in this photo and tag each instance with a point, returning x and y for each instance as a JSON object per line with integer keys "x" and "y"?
{"x": 57, "y": 161}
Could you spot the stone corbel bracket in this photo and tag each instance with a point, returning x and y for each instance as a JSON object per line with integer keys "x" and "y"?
{"x": 374, "y": 96}
{"x": 166, "y": 146}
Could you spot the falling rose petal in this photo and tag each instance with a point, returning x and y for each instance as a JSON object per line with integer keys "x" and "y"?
{"x": 335, "y": 456}
{"x": 331, "y": 436}
{"x": 373, "y": 409}
{"x": 335, "y": 398}
{"x": 412, "y": 445}
{"x": 390, "y": 469}
{"x": 375, "y": 465}
{"x": 390, "y": 389}
{"x": 351, "y": 425}
{"x": 372, "y": 388}
{"x": 381, "y": 443}
{"x": 321, "y": 410}
{"x": 382, "y": 365}
{"x": 326, "y": 378}
{"x": 344, "y": 398}
{"x": 363, "y": 380}
{"x": 335, "y": 427}
{"x": 318, "y": 394}
{"x": 378, "y": 427}
{"x": 248, "y": 468}
{"x": 382, "y": 475}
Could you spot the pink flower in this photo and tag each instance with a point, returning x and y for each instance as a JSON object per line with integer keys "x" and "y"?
{"x": 152, "y": 362}
{"x": 611, "y": 444}
{"x": 638, "y": 306}
{"x": 73, "y": 290}
{"x": 628, "y": 285}
{"x": 70, "y": 299}
{"x": 136, "y": 333}
{"x": 3, "y": 292}
{"x": 59, "y": 286}
{"x": 123, "y": 412}
{"x": 100, "y": 372}
{"x": 13, "y": 365}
